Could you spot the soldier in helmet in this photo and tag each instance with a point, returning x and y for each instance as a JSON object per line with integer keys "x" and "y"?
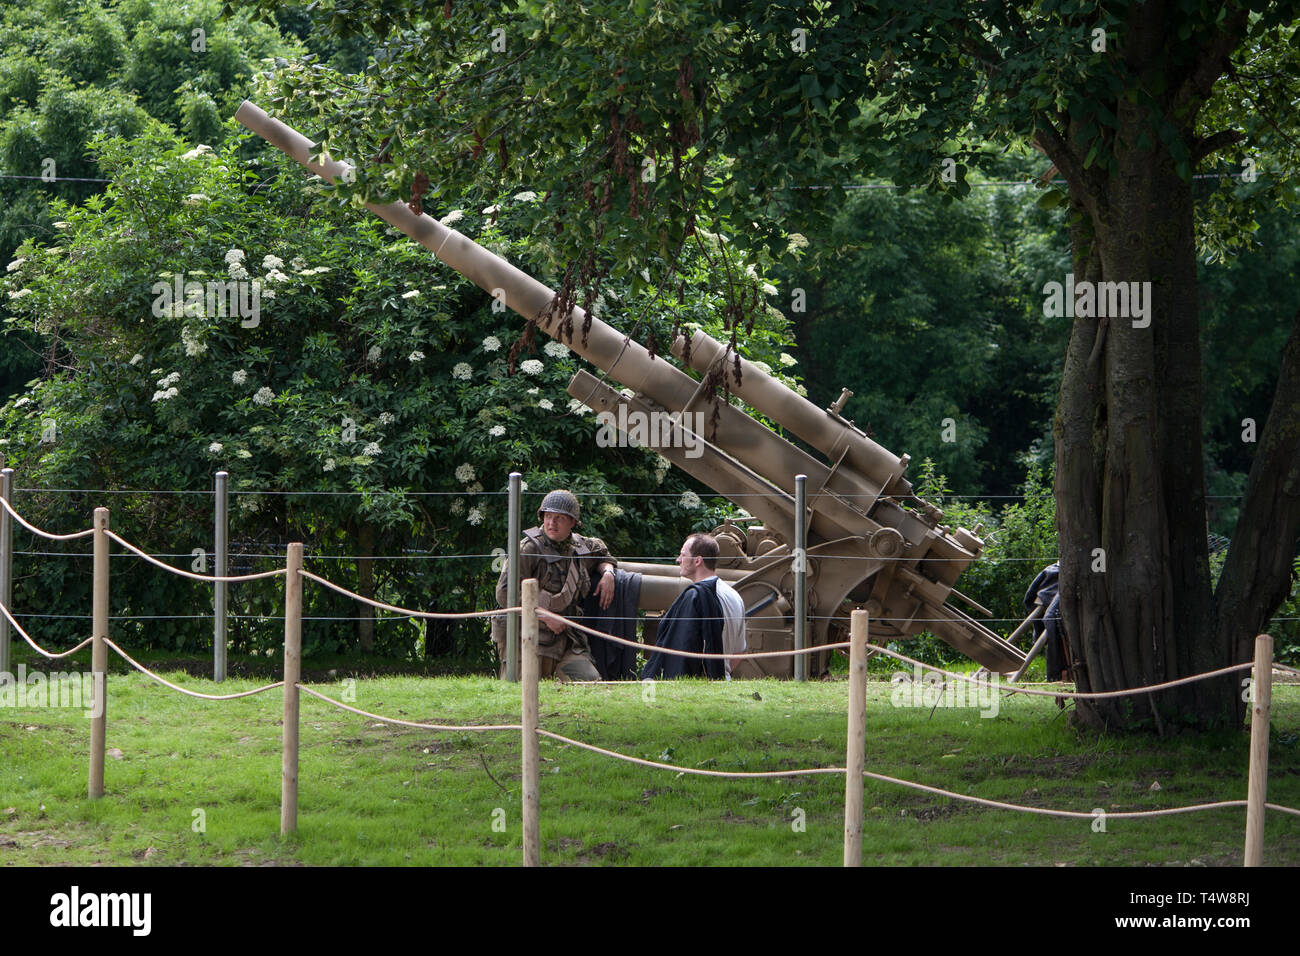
{"x": 567, "y": 566}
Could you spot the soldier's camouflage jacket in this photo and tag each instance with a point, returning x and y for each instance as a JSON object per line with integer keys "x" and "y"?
{"x": 564, "y": 575}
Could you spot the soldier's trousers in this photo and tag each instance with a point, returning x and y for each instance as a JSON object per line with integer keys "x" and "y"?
{"x": 575, "y": 664}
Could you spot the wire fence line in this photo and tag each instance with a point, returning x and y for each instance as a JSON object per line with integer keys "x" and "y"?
{"x": 276, "y": 492}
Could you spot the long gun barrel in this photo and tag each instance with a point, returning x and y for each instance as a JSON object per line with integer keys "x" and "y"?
{"x": 864, "y": 546}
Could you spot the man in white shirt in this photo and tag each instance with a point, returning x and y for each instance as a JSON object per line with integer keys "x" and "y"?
{"x": 733, "y": 627}
{"x": 705, "y": 548}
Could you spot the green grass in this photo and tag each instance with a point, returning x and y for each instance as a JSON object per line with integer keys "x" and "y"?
{"x": 382, "y": 795}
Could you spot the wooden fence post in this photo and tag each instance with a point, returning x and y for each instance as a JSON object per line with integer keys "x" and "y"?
{"x": 292, "y": 672}
{"x": 99, "y": 655}
{"x": 1257, "y": 788}
{"x": 856, "y": 749}
{"x": 528, "y": 662}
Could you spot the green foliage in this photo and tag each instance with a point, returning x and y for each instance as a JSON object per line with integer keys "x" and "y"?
{"x": 368, "y": 409}
{"x": 69, "y": 71}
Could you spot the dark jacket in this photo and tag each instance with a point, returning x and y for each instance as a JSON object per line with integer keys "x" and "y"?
{"x": 693, "y": 623}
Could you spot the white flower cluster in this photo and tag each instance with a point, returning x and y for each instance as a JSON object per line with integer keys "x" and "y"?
{"x": 387, "y": 418}
{"x": 194, "y": 345}
{"x": 788, "y": 360}
{"x": 661, "y": 469}
{"x": 577, "y": 408}
{"x": 137, "y": 358}
{"x": 491, "y": 210}
{"x": 297, "y": 263}
{"x": 194, "y": 199}
{"x": 526, "y": 196}
{"x": 476, "y": 488}
{"x": 410, "y": 294}
{"x": 371, "y": 450}
{"x": 416, "y": 356}
{"x": 215, "y": 448}
{"x": 796, "y": 241}
{"x": 271, "y": 263}
{"x": 496, "y": 431}
{"x": 491, "y": 344}
{"x": 545, "y": 404}
{"x": 555, "y": 349}
{"x": 13, "y": 266}
{"x": 233, "y": 256}
{"x": 19, "y": 293}
{"x": 690, "y": 500}
{"x": 319, "y": 270}
{"x": 275, "y": 275}
{"x": 762, "y": 367}
{"x": 165, "y": 393}
{"x": 263, "y": 396}
{"x": 456, "y": 215}
{"x": 197, "y": 151}
{"x": 24, "y": 401}
{"x": 531, "y": 367}
{"x": 462, "y": 371}
{"x": 374, "y": 353}
{"x": 239, "y": 377}
{"x": 465, "y": 473}
{"x": 329, "y": 465}
{"x": 244, "y": 453}
{"x": 475, "y": 516}
{"x": 168, "y": 380}
{"x": 769, "y": 289}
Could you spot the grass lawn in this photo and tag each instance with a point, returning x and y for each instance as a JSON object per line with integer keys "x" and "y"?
{"x": 198, "y": 783}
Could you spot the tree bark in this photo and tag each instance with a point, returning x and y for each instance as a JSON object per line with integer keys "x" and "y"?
{"x": 1130, "y": 482}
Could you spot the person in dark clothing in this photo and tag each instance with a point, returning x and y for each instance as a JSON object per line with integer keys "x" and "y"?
{"x": 1045, "y": 591}
{"x": 694, "y": 622}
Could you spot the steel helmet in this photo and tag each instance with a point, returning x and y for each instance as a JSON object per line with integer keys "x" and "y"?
{"x": 561, "y": 502}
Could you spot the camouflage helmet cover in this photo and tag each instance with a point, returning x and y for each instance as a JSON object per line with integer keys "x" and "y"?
{"x": 561, "y": 502}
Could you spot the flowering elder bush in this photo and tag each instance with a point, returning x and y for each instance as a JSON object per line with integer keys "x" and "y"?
{"x": 208, "y": 313}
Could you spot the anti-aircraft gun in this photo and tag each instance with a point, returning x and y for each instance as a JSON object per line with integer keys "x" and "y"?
{"x": 871, "y": 543}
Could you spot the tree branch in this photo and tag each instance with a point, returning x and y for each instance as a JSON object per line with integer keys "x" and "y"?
{"x": 1214, "y": 142}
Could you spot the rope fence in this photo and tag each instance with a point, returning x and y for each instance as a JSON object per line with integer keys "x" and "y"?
{"x": 854, "y": 772}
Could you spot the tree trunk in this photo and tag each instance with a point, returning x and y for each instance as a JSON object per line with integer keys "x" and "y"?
{"x": 1135, "y": 588}
{"x": 1256, "y": 576}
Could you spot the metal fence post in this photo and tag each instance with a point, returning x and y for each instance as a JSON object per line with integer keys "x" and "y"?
{"x": 800, "y": 576}
{"x": 512, "y": 579}
{"x": 222, "y": 531}
{"x": 6, "y": 565}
